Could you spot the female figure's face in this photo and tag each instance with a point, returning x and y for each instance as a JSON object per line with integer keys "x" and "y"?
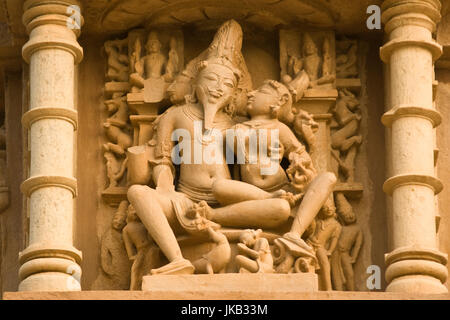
{"x": 260, "y": 100}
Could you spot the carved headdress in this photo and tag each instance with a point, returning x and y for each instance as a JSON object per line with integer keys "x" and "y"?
{"x": 226, "y": 45}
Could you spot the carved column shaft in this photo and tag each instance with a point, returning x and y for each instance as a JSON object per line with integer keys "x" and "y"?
{"x": 415, "y": 265}
{"x": 50, "y": 262}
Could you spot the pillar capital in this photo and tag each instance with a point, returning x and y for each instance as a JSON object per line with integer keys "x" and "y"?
{"x": 411, "y": 10}
{"x": 53, "y": 24}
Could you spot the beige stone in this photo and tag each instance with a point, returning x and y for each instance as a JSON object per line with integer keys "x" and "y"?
{"x": 88, "y": 126}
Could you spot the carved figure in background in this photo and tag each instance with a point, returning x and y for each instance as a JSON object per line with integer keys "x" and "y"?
{"x": 173, "y": 63}
{"x": 117, "y": 110}
{"x": 138, "y": 247}
{"x": 305, "y": 72}
{"x": 327, "y": 66}
{"x": 348, "y": 247}
{"x": 305, "y": 127}
{"x": 324, "y": 240}
{"x": 118, "y": 68}
{"x": 347, "y": 62}
{"x": 255, "y": 255}
{"x": 115, "y": 265}
{"x": 154, "y": 66}
{"x": 135, "y": 57}
{"x": 216, "y": 260}
{"x": 311, "y": 59}
{"x": 120, "y": 139}
{"x": 116, "y": 130}
{"x": 114, "y": 168}
{"x": 345, "y": 138}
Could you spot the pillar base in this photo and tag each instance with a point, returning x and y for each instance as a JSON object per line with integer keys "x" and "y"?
{"x": 417, "y": 284}
{"x": 50, "y": 281}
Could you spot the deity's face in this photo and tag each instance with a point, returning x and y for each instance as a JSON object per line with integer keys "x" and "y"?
{"x": 179, "y": 89}
{"x": 215, "y": 87}
{"x": 348, "y": 217}
{"x": 328, "y": 210}
{"x": 118, "y": 221}
{"x": 153, "y": 45}
{"x": 261, "y": 100}
{"x": 310, "y": 48}
{"x": 132, "y": 216}
{"x": 215, "y": 84}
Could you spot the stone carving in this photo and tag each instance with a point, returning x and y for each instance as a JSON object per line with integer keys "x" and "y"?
{"x": 223, "y": 202}
{"x": 263, "y": 108}
{"x": 150, "y": 66}
{"x": 175, "y": 201}
{"x": 305, "y": 66}
{"x": 324, "y": 240}
{"x": 154, "y": 71}
{"x": 255, "y": 254}
{"x": 348, "y": 247}
{"x": 345, "y": 137}
{"x": 306, "y": 128}
{"x": 114, "y": 169}
{"x": 118, "y": 68}
{"x": 138, "y": 247}
{"x": 116, "y": 128}
{"x": 115, "y": 265}
{"x": 217, "y": 259}
{"x": 347, "y": 59}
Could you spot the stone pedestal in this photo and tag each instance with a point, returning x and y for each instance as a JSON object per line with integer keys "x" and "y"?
{"x": 415, "y": 265}
{"x": 50, "y": 262}
{"x": 232, "y": 285}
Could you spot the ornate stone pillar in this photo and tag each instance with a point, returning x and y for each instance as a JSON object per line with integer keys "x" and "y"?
{"x": 50, "y": 262}
{"x": 415, "y": 265}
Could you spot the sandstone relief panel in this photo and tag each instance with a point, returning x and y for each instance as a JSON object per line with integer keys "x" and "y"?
{"x": 207, "y": 174}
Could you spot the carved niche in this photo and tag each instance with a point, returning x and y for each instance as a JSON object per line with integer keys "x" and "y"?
{"x": 178, "y": 217}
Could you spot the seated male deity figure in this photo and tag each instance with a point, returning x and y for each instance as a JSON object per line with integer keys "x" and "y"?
{"x": 154, "y": 66}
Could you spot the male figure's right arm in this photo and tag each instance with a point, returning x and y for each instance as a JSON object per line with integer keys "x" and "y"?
{"x": 163, "y": 170}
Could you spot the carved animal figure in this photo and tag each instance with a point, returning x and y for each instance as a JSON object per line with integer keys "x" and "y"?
{"x": 119, "y": 140}
{"x": 118, "y": 110}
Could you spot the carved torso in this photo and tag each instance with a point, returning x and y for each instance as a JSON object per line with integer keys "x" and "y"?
{"x": 195, "y": 176}
{"x": 154, "y": 65}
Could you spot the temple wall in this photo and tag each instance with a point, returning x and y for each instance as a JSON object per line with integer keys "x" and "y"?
{"x": 261, "y": 49}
